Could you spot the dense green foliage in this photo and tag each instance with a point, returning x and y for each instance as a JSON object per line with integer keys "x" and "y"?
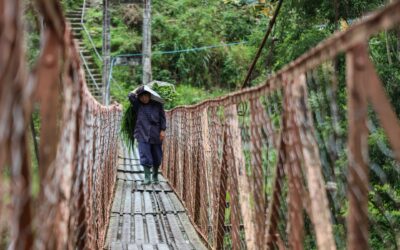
{"x": 186, "y": 24}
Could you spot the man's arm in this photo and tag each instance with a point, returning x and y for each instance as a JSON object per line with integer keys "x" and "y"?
{"x": 163, "y": 122}
{"x": 163, "y": 119}
{"x": 133, "y": 100}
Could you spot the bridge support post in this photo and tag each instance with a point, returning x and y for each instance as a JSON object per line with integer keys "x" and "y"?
{"x": 292, "y": 166}
{"x": 244, "y": 188}
{"x": 106, "y": 52}
{"x": 219, "y": 216}
{"x": 146, "y": 47}
{"x": 256, "y": 124}
{"x": 206, "y": 174}
{"x": 273, "y": 207}
{"x": 357, "y": 219}
{"x": 320, "y": 214}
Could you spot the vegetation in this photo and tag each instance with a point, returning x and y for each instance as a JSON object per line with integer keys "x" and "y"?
{"x": 203, "y": 74}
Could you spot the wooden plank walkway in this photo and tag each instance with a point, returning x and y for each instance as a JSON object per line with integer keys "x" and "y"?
{"x": 147, "y": 217}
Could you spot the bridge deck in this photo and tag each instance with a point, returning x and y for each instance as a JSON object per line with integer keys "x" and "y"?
{"x": 147, "y": 217}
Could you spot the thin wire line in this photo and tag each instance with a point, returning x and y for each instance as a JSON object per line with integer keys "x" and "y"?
{"x": 184, "y": 50}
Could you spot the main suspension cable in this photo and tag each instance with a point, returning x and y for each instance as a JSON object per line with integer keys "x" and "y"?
{"x": 271, "y": 25}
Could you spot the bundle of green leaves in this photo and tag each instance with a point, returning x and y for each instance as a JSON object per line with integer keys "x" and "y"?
{"x": 128, "y": 126}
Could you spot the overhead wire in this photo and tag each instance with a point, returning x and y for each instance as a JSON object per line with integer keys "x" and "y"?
{"x": 185, "y": 50}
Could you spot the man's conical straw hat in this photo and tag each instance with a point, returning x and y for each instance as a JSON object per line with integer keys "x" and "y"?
{"x": 154, "y": 95}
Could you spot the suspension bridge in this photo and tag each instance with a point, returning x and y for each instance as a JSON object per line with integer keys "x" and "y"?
{"x": 250, "y": 170}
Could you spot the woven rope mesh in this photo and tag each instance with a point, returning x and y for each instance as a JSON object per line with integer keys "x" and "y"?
{"x": 297, "y": 162}
{"x": 78, "y": 142}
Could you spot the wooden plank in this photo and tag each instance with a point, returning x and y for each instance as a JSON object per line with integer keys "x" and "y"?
{"x": 175, "y": 202}
{"x": 112, "y": 229}
{"x": 148, "y": 205}
{"x": 162, "y": 247}
{"x": 121, "y": 169}
{"x": 126, "y": 228}
{"x": 126, "y": 160}
{"x": 147, "y": 247}
{"x": 156, "y": 187}
{"x": 128, "y": 177}
{"x": 176, "y": 231}
{"x": 138, "y": 202}
{"x": 162, "y": 179}
{"x": 121, "y": 161}
{"x": 133, "y": 247}
{"x": 151, "y": 229}
{"x": 165, "y": 186}
{"x": 141, "y": 187}
{"x": 139, "y": 229}
{"x": 127, "y": 198}
{"x": 194, "y": 238}
{"x": 152, "y": 188}
{"x": 165, "y": 202}
{"x": 120, "y": 176}
{"x": 161, "y": 229}
{"x": 130, "y": 166}
{"x": 137, "y": 167}
{"x": 116, "y": 208}
{"x": 138, "y": 177}
{"x": 183, "y": 246}
{"x": 116, "y": 246}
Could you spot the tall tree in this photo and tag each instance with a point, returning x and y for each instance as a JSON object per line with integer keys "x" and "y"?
{"x": 147, "y": 76}
{"x": 106, "y": 51}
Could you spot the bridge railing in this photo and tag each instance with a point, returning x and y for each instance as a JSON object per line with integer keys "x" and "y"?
{"x": 69, "y": 208}
{"x": 286, "y": 164}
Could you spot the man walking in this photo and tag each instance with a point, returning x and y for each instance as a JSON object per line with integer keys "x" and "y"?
{"x": 149, "y": 131}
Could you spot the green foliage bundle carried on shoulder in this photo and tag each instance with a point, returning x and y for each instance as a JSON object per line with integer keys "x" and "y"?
{"x": 128, "y": 126}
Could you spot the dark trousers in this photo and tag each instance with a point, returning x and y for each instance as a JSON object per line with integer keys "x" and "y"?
{"x": 150, "y": 154}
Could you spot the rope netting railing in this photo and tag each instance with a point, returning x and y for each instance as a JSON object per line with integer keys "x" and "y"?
{"x": 308, "y": 160}
{"x": 77, "y": 145}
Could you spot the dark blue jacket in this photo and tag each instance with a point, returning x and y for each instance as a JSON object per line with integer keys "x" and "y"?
{"x": 150, "y": 120}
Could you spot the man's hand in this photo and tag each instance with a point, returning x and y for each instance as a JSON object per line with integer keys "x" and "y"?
{"x": 162, "y": 135}
{"x": 132, "y": 94}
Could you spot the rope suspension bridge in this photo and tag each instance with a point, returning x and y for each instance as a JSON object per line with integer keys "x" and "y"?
{"x": 250, "y": 170}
